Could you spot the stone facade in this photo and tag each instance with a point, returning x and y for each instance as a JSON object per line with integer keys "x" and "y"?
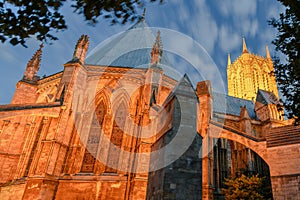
{"x": 250, "y": 72}
{"x": 182, "y": 178}
{"x": 96, "y": 131}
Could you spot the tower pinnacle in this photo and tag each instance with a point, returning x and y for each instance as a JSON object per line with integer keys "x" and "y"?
{"x": 156, "y": 52}
{"x": 228, "y": 60}
{"x": 245, "y": 50}
{"x": 81, "y": 48}
{"x": 268, "y": 56}
{"x": 33, "y": 65}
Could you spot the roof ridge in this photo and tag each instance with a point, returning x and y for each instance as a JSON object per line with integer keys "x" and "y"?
{"x": 232, "y": 96}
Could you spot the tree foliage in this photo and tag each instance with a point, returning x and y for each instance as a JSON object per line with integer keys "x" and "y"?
{"x": 288, "y": 42}
{"x": 22, "y": 19}
{"x": 244, "y": 188}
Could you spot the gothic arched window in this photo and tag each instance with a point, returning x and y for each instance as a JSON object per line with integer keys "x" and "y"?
{"x": 89, "y": 158}
{"x": 116, "y": 138}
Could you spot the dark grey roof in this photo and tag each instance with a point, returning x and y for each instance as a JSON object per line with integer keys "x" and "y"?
{"x": 266, "y": 97}
{"x": 233, "y": 105}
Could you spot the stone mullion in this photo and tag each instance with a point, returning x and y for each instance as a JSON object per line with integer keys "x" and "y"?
{"x": 105, "y": 142}
{"x": 109, "y": 143}
{"x": 136, "y": 129}
{"x": 123, "y": 146}
{"x": 90, "y": 151}
{"x": 129, "y": 145}
{"x": 85, "y": 132}
{"x": 102, "y": 151}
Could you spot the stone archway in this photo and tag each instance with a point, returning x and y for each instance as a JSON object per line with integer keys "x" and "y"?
{"x": 283, "y": 160}
{"x": 259, "y": 146}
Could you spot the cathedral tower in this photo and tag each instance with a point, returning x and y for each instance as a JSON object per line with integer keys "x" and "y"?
{"x": 250, "y": 72}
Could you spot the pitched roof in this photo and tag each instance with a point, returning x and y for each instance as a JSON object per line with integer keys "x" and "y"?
{"x": 131, "y": 48}
{"x": 183, "y": 87}
{"x": 266, "y": 97}
{"x": 284, "y": 135}
{"x": 233, "y": 105}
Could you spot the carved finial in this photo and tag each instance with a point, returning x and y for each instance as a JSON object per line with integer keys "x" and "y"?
{"x": 229, "y": 60}
{"x": 245, "y": 50}
{"x": 156, "y": 50}
{"x": 81, "y": 48}
{"x": 33, "y": 65}
{"x": 268, "y": 53}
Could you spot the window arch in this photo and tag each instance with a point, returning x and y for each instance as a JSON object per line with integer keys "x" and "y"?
{"x": 116, "y": 138}
{"x": 92, "y": 144}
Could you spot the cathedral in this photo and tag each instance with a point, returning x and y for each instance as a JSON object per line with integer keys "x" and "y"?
{"x": 113, "y": 126}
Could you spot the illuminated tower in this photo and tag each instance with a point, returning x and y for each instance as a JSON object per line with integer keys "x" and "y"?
{"x": 250, "y": 72}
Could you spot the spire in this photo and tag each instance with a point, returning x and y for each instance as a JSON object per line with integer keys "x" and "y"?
{"x": 156, "y": 52}
{"x": 81, "y": 48}
{"x": 229, "y": 60}
{"x": 268, "y": 53}
{"x": 33, "y": 65}
{"x": 245, "y": 50}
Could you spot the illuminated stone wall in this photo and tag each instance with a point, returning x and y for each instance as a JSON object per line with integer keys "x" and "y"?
{"x": 248, "y": 73}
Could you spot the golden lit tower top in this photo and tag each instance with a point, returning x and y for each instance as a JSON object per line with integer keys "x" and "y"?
{"x": 250, "y": 72}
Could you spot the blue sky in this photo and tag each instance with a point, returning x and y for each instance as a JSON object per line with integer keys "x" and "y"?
{"x": 217, "y": 25}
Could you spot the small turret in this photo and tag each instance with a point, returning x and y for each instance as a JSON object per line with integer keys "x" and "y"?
{"x": 268, "y": 56}
{"x": 81, "y": 48}
{"x": 245, "y": 50}
{"x": 156, "y": 52}
{"x": 26, "y": 89}
{"x": 228, "y": 60}
{"x": 154, "y": 75}
{"x": 33, "y": 66}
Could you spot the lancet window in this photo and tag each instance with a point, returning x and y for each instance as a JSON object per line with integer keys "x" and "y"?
{"x": 92, "y": 144}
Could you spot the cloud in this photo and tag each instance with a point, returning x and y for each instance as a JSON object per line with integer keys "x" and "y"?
{"x": 244, "y": 8}
{"x": 217, "y": 25}
{"x": 192, "y": 18}
{"x": 241, "y": 13}
{"x": 198, "y": 63}
{"x": 204, "y": 26}
{"x": 228, "y": 39}
{"x": 274, "y": 9}
{"x": 237, "y": 8}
